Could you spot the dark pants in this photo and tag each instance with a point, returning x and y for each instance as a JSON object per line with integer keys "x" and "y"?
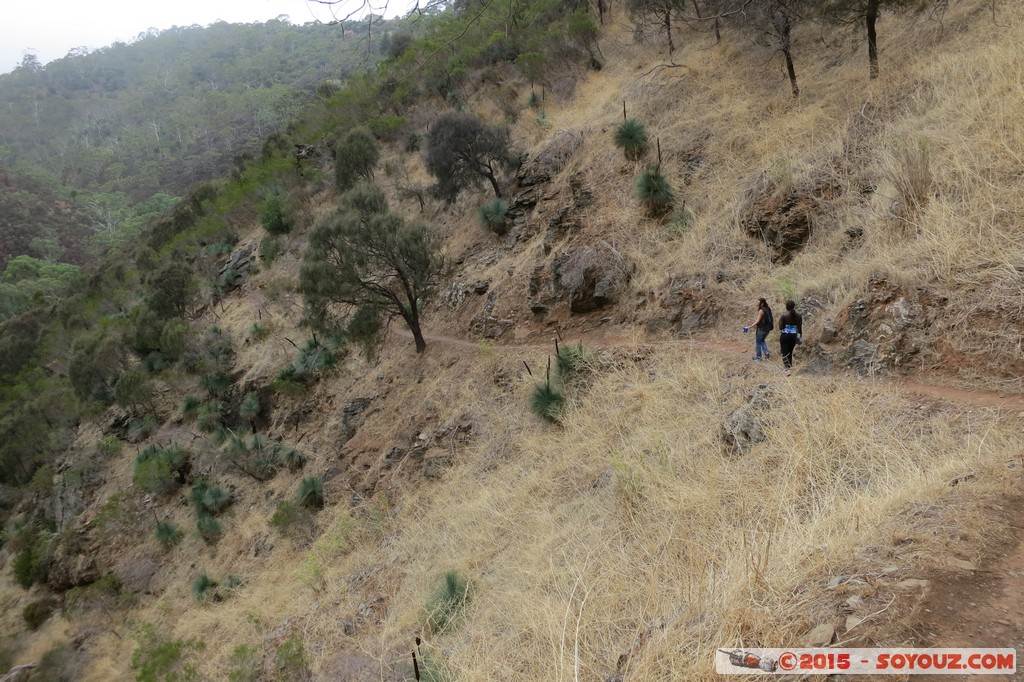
{"x": 787, "y": 342}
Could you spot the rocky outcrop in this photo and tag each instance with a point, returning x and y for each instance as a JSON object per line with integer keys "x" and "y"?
{"x": 486, "y": 324}
{"x": 237, "y": 269}
{"x": 742, "y": 429}
{"x": 885, "y": 330}
{"x": 544, "y": 165}
{"x": 587, "y": 278}
{"x": 783, "y": 217}
{"x": 690, "y": 305}
{"x": 539, "y": 170}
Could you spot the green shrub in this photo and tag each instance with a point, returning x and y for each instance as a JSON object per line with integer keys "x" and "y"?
{"x": 571, "y": 361}
{"x": 387, "y": 127}
{"x": 204, "y": 587}
{"x": 36, "y": 613}
{"x": 108, "y": 447}
{"x": 249, "y": 409}
{"x": 494, "y": 215}
{"x": 274, "y": 215}
{"x": 160, "y": 471}
{"x": 133, "y": 389}
{"x": 631, "y": 138}
{"x": 447, "y": 602}
{"x": 291, "y": 458}
{"x": 315, "y": 358}
{"x": 190, "y": 407}
{"x": 246, "y": 664}
{"x": 158, "y": 660}
{"x": 311, "y": 492}
{"x": 355, "y": 157}
{"x": 290, "y": 659}
{"x": 292, "y": 520}
{"x": 32, "y": 563}
{"x": 259, "y": 331}
{"x": 270, "y": 249}
{"x": 208, "y": 416}
{"x": 208, "y": 500}
{"x": 216, "y": 384}
{"x": 168, "y": 534}
{"x": 547, "y": 402}
{"x": 654, "y": 192}
{"x": 209, "y": 529}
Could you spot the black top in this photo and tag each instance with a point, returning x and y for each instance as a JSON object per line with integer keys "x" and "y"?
{"x": 789, "y": 320}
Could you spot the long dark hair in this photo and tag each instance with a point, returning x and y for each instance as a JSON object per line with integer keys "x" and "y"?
{"x": 762, "y": 304}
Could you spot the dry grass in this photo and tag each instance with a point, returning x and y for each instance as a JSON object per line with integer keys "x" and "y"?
{"x": 630, "y": 529}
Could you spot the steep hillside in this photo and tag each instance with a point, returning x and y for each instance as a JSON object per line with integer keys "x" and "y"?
{"x": 684, "y": 499}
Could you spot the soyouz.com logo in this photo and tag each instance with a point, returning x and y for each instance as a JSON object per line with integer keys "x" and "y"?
{"x": 877, "y": 661}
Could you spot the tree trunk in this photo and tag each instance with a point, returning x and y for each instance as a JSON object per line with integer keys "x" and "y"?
{"x": 417, "y": 335}
{"x": 870, "y": 17}
{"x": 668, "y": 30}
{"x": 785, "y": 26}
{"x": 494, "y": 183}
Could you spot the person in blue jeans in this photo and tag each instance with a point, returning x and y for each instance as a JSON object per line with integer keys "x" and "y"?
{"x": 763, "y": 324}
{"x": 791, "y": 328}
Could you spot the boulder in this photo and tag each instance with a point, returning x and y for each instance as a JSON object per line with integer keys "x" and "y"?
{"x": 742, "y": 429}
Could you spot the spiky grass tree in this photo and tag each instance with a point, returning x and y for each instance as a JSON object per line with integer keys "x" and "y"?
{"x": 631, "y": 137}
{"x": 209, "y": 529}
{"x": 547, "y": 401}
{"x": 204, "y": 587}
{"x": 190, "y": 407}
{"x": 494, "y": 216}
{"x": 250, "y": 407}
{"x": 168, "y": 534}
{"x": 447, "y": 602}
{"x": 291, "y": 458}
{"x": 311, "y": 492}
{"x": 654, "y": 192}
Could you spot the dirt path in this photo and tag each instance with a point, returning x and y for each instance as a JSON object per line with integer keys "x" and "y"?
{"x": 986, "y": 607}
{"x": 737, "y": 349}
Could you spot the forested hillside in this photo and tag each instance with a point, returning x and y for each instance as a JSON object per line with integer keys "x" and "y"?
{"x": 443, "y": 375}
{"x": 88, "y": 139}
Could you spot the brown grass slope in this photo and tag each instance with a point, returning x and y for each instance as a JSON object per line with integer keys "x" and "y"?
{"x": 630, "y": 539}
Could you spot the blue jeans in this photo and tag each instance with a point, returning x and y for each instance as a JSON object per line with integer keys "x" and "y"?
{"x": 760, "y": 346}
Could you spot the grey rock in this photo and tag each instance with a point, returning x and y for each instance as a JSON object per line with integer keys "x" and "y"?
{"x": 742, "y": 429}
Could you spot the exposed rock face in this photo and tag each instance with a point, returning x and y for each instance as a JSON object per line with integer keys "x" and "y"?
{"x": 352, "y": 417}
{"x": 539, "y": 170}
{"x": 237, "y": 269}
{"x": 588, "y": 278}
{"x": 884, "y": 331}
{"x": 73, "y": 563}
{"x": 485, "y": 323}
{"x": 784, "y": 217}
{"x": 742, "y": 429}
{"x": 545, "y": 164}
{"x": 19, "y": 673}
{"x": 690, "y": 303}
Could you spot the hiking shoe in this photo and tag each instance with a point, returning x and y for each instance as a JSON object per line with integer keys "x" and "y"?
{"x": 756, "y": 358}
{"x": 767, "y": 355}
{"x": 787, "y": 371}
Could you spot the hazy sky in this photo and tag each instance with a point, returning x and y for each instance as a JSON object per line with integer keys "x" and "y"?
{"x": 50, "y": 28}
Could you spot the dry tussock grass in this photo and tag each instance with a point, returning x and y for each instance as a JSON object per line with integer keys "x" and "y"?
{"x": 629, "y": 528}
{"x": 632, "y": 516}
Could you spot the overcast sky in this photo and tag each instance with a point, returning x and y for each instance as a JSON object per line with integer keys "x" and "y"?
{"x": 50, "y": 28}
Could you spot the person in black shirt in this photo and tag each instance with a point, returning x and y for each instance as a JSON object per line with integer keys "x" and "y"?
{"x": 762, "y": 325}
{"x": 791, "y": 330}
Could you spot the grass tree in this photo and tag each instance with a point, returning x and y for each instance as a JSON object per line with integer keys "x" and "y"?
{"x": 631, "y": 137}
